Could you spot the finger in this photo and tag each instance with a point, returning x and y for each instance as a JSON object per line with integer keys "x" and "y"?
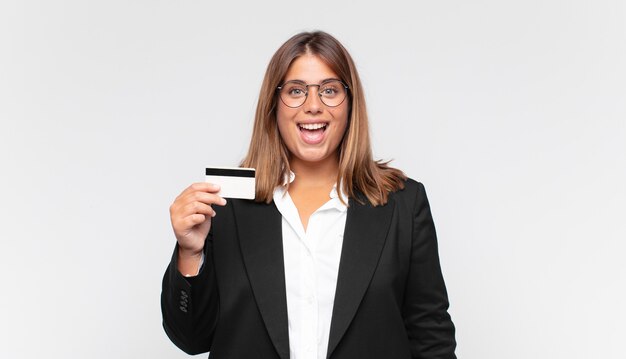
{"x": 184, "y": 224}
{"x": 179, "y": 213}
{"x": 203, "y": 197}
{"x": 208, "y": 198}
{"x": 196, "y": 208}
{"x": 194, "y": 220}
{"x": 200, "y": 186}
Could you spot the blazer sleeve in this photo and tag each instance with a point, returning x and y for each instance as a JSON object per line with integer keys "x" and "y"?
{"x": 425, "y": 311}
{"x": 189, "y": 305}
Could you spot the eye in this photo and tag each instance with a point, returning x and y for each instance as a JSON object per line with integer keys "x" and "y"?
{"x": 296, "y": 91}
{"x": 329, "y": 90}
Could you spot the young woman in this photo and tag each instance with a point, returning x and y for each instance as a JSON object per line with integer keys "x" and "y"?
{"x": 336, "y": 257}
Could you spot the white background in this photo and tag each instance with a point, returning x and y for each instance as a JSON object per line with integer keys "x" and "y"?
{"x": 512, "y": 113}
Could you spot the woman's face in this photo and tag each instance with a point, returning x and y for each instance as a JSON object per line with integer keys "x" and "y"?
{"x": 313, "y": 131}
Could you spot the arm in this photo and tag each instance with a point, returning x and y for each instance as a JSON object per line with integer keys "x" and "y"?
{"x": 425, "y": 311}
{"x": 190, "y": 302}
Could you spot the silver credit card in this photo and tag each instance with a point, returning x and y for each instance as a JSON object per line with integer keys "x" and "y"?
{"x": 234, "y": 182}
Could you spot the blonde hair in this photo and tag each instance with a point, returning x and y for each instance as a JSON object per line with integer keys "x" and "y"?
{"x": 359, "y": 174}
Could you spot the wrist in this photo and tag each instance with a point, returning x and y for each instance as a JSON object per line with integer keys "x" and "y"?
{"x": 189, "y": 254}
{"x": 189, "y": 262}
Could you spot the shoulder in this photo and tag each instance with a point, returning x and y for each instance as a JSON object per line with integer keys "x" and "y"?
{"x": 411, "y": 197}
{"x": 412, "y": 189}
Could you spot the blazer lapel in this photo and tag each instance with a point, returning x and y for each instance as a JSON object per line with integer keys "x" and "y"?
{"x": 260, "y": 235}
{"x": 365, "y": 234}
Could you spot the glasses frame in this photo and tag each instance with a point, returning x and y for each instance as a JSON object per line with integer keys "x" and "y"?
{"x": 319, "y": 93}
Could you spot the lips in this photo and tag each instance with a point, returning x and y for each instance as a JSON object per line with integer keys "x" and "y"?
{"x": 312, "y": 133}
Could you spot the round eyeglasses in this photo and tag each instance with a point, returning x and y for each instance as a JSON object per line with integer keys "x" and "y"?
{"x": 294, "y": 93}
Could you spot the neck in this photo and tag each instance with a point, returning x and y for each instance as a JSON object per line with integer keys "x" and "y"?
{"x": 316, "y": 173}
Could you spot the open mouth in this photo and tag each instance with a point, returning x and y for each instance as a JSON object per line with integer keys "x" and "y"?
{"x": 312, "y": 133}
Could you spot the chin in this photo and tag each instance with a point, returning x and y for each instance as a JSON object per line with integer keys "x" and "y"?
{"x": 312, "y": 156}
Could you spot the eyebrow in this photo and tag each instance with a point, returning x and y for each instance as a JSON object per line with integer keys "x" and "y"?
{"x": 321, "y": 82}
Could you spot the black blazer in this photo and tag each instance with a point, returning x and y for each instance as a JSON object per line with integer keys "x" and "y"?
{"x": 390, "y": 302}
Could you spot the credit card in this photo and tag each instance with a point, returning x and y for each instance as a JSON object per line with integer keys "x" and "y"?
{"x": 234, "y": 182}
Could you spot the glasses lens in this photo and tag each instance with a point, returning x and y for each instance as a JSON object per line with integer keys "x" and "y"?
{"x": 293, "y": 94}
{"x": 333, "y": 93}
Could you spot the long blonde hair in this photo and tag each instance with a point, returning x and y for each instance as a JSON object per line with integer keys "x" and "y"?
{"x": 359, "y": 174}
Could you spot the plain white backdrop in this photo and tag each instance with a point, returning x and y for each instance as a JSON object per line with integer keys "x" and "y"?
{"x": 512, "y": 113}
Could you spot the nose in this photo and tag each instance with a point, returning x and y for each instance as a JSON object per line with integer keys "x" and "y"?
{"x": 313, "y": 102}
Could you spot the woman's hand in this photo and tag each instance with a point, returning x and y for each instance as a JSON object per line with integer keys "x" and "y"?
{"x": 191, "y": 215}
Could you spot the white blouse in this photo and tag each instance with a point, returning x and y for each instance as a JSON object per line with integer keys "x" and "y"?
{"x": 311, "y": 265}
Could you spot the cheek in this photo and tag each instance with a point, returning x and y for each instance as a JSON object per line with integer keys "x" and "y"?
{"x": 285, "y": 128}
{"x": 343, "y": 117}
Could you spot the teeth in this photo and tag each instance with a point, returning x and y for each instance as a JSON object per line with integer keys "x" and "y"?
{"x": 312, "y": 126}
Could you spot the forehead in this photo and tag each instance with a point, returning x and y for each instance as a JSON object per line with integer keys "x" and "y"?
{"x": 310, "y": 69}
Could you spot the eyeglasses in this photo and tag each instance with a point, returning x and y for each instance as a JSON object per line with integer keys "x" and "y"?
{"x": 294, "y": 93}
